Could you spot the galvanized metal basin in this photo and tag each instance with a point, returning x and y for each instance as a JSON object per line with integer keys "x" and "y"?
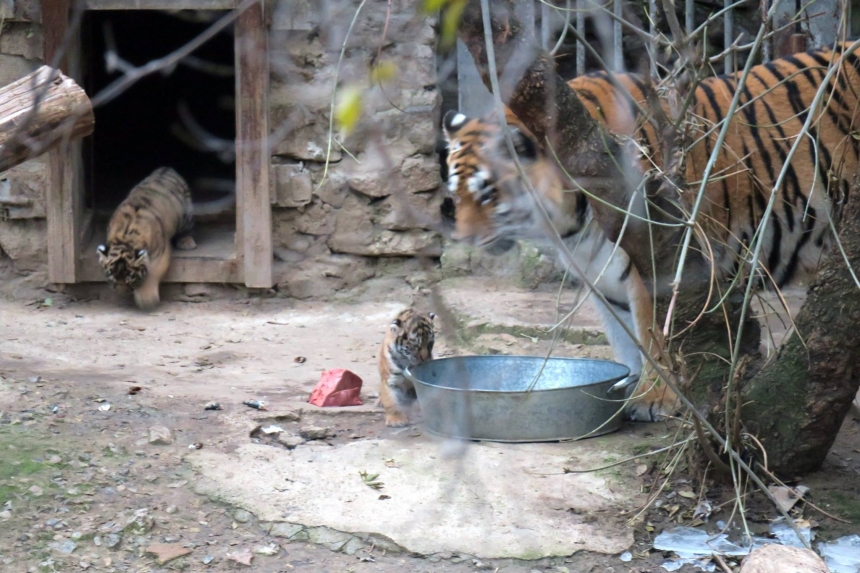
{"x": 486, "y": 398}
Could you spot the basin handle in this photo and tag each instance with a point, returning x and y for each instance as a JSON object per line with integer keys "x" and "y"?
{"x": 623, "y": 384}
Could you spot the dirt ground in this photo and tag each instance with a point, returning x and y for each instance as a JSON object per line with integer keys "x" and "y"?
{"x": 89, "y": 480}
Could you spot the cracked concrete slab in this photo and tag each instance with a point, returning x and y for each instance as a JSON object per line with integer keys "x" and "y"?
{"x": 483, "y": 499}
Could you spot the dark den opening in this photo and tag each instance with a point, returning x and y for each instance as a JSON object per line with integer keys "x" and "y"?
{"x": 181, "y": 120}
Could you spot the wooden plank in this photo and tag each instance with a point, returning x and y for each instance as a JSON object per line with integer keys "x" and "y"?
{"x": 61, "y": 200}
{"x": 161, "y": 4}
{"x": 252, "y": 153}
{"x": 182, "y": 270}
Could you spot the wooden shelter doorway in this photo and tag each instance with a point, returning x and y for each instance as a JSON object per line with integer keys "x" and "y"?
{"x": 207, "y": 119}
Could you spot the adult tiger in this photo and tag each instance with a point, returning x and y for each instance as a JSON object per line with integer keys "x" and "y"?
{"x": 774, "y": 103}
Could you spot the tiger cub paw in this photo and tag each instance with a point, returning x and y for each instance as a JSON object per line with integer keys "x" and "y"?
{"x": 396, "y": 419}
{"x": 186, "y": 243}
{"x": 658, "y": 402}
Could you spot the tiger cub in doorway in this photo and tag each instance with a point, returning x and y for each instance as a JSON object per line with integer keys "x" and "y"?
{"x": 137, "y": 254}
{"x": 408, "y": 342}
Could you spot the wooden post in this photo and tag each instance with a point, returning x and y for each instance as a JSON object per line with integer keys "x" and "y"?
{"x": 63, "y": 206}
{"x": 254, "y": 217}
{"x": 38, "y": 112}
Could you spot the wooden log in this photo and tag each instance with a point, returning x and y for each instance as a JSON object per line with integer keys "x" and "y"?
{"x": 40, "y": 111}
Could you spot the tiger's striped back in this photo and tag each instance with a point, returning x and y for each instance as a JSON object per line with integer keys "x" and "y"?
{"x": 772, "y": 108}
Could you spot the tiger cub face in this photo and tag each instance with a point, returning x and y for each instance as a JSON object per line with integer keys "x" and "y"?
{"x": 123, "y": 265}
{"x": 409, "y": 340}
{"x": 493, "y": 207}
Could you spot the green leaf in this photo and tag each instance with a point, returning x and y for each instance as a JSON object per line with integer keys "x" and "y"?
{"x": 451, "y": 21}
{"x": 431, "y": 6}
{"x": 383, "y": 71}
{"x": 348, "y": 109}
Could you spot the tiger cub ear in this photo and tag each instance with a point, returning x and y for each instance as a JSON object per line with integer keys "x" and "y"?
{"x": 141, "y": 256}
{"x": 102, "y": 252}
{"x": 431, "y": 315}
{"x": 452, "y": 122}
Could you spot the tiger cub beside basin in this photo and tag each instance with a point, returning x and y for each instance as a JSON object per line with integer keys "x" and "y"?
{"x": 408, "y": 342}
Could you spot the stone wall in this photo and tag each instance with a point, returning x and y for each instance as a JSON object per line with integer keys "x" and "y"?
{"x": 23, "y": 229}
{"x": 381, "y": 193}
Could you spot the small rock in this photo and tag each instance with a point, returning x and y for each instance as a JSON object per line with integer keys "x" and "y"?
{"x": 36, "y": 490}
{"x": 290, "y": 442}
{"x": 353, "y": 546}
{"x": 5, "y": 514}
{"x": 212, "y": 406}
{"x": 333, "y": 539}
{"x": 314, "y": 433}
{"x": 34, "y": 379}
{"x": 267, "y": 550}
{"x": 626, "y": 557}
{"x": 783, "y": 559}
{"x": 76, "y": 535}
{"x": 165, "y": 552}
{"x": 208, "y": 559}
{"x": 171, "y": 509}
{"x": 111, "y": 541}
{"x": 241, "y": 556}
{"x": 67, "y": 547}
{"x": 160, "y": 436}
{"x": 54, "y": 460}
{"x": 140, "y": 523}
{"x": 242, "y": 516}
{"x": 287, "y": 530}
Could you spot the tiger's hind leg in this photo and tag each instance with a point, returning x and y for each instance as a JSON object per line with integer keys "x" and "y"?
{"x": 396, "y": 396}
{"x": 185, "y": 243}
{"x": 183, "y": 240}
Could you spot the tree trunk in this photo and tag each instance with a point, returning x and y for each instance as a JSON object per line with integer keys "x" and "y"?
{"x": 795, "y": 404}
{"x": 38, "y": 112}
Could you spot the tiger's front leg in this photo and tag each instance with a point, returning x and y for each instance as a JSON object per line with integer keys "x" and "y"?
{"x": 652, "y": 399}
{"x": 146, "y": 296}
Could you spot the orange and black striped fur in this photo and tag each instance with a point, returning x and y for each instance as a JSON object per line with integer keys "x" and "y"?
{"x": 408, "y": 342}
{"x": 493, "y": 207}
{"x": 137, "y": 254}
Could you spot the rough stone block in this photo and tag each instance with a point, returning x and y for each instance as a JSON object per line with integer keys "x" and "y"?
{"x": 25, "y": 242}
{"x": 291, "y": 185}
{"x": 403, "y": 211}
{"x": 384, "y": 243}
{"x": 309, "y": 143}
{"x": 22, "y": 39}
{"x": 14, "y": 68}
{"x": 24, "y": 186}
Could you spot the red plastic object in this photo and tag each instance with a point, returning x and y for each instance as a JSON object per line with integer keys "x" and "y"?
{"x": 337, "y": 387}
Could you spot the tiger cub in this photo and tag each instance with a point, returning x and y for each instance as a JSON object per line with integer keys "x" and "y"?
{"x": 137, "y": 253}
{"x": 408, "y": 342}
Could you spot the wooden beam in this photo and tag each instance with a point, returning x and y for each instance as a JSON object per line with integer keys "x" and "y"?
{"x": 182, "y": 270}
{"x": 160, "y": 4}
{"x": 252, "y": 153}
{"x": 38, "y": 112}
{"x": 61, "y": 201}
